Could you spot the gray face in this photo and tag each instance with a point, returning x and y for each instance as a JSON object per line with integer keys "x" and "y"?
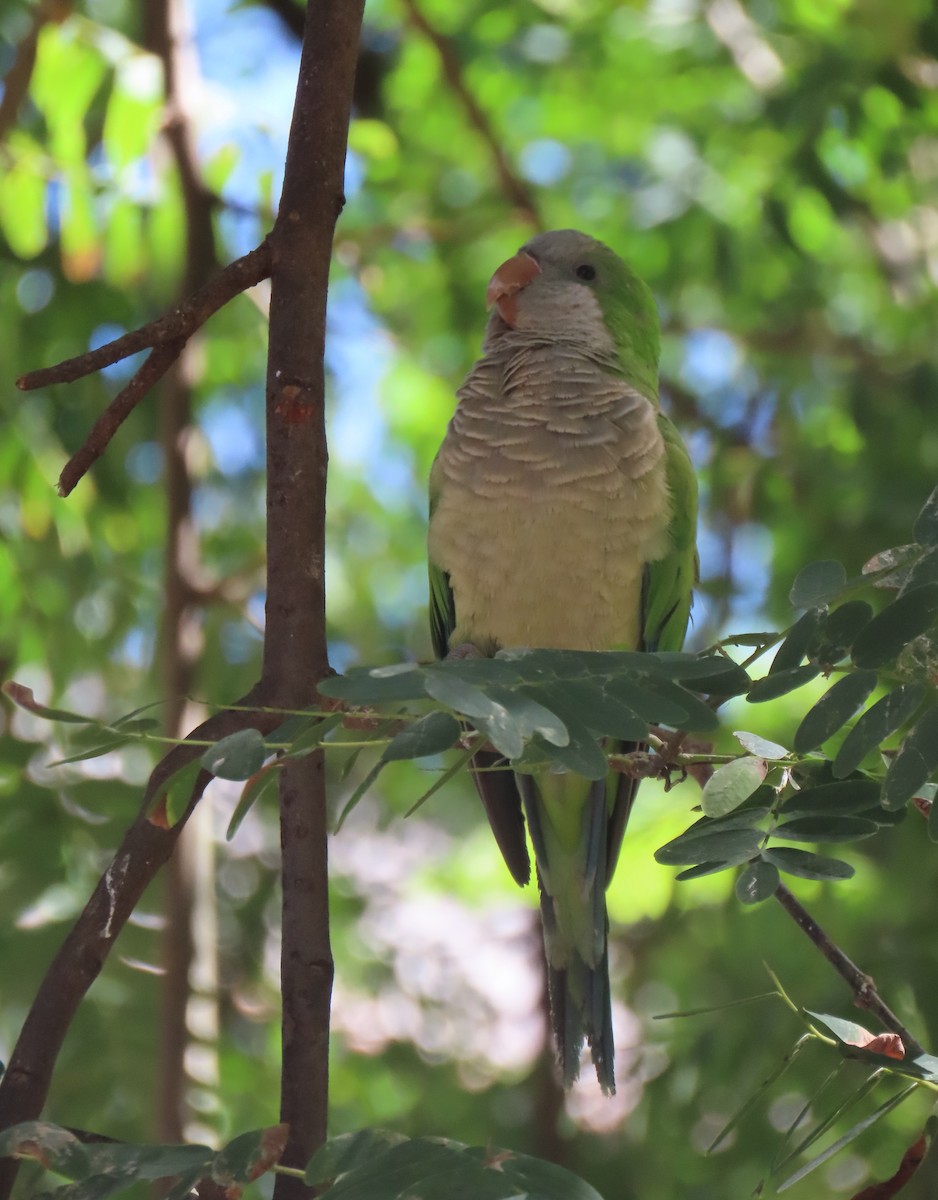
{"x": 560, "y": 302}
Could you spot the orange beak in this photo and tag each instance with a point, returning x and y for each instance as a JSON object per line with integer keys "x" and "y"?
{"x": 507, "y": 281}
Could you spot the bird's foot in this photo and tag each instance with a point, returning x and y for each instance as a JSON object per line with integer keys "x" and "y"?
{"x": 463, "y": 651}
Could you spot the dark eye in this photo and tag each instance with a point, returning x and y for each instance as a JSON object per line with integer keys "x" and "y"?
{"x": 585, "y": 271}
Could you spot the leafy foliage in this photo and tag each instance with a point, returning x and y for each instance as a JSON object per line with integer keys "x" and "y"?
{"x": 775, "y": 186}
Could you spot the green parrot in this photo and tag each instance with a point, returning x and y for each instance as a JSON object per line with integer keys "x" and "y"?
{"x": 563, "y": 511}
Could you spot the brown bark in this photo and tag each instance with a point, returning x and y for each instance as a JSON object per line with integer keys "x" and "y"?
{"x": 299, "y": 250}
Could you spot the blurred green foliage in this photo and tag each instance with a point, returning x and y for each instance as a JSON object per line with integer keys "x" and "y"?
{"x": 771, "y": 170}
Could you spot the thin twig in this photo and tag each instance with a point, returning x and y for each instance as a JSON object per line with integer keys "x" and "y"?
{"x": 515, "y": 189}
{"x": 861, "y": 984}
{"x": 17, "y": 79}
{"x": 157, "y": 363}
{"x": 176, "y": 326}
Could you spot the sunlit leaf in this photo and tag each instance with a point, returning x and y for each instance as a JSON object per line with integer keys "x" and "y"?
{"x": 760, "y": 746}
{"x": 731, "y": 784}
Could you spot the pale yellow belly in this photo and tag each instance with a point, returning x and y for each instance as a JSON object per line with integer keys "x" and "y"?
{"x": 559, "y": 571}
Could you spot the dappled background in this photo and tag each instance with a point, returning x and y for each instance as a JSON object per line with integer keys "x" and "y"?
{"x": 772, "y": 171}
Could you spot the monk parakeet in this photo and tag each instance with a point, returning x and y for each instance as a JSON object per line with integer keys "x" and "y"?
{"x": 563, "y": 512}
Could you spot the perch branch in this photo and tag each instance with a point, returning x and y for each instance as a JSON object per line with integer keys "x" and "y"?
{"x": 167, "y": 336}
{"x": 861, "y": 984}
{"x": 157, "y": 363}
{"x": 515, "y": 189}
{"x": 145, "y": 847}
{"x": 178, "y": 325}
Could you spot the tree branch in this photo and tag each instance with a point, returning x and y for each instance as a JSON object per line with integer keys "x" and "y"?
{"x": 861, "y": 984}
{"x": 515, "y": 189}
{"x": 295, "y": 651}
{"x": 157, "y": 363}
{"x": 178, "y": 325}
{"x": 145, "y": 847}
{"x": 188, "y": 890}
{"x": 16, "y": 81}
{"x": 167, "y": 335}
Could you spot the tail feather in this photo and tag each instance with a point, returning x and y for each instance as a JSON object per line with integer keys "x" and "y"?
{"x": 572, "y": 882}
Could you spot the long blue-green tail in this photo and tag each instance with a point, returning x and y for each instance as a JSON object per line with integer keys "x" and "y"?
{"x": 568, "y": 818}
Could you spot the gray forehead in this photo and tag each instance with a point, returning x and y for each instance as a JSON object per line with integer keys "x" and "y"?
{"x": 562, "y": 244}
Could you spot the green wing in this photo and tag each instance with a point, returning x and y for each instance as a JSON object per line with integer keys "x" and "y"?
{"x": 442, "y": 604}
{"x": 666, "y": 601}
{"x": 669, "y": 582}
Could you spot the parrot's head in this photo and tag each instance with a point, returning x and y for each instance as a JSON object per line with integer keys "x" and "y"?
{"x": 567, "y": 285}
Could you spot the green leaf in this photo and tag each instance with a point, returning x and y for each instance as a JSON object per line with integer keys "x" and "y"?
{"x": 826, "y": 829}
{"x": 438, "y": 1169}
{"x": 731, "y": 784}
{"x": 779, "y": 684}
{"x": 834, "y": 799}
{"x": 838, "y": 704}
{"x": 705, "y": 868}
{"x": 133, "y": 109}
{"x": 364, "y": 686}
{"x": 313, "y": 736}
{"x": 529, "y": 715}
{"x": 925, "y": 529}
{"x": 172, "y": 796}
{"x": 252, "y": 791}
{"x": 432, "y": 734}
{"x": 492, "y": 719}
{"x": 915, "y": 763}
{"x": 23, "y": 208}
{"x": 763, "y": 1087}
{"x": 583, "y": 755}
{"x": 249, "y": 1155}
{"x": 839, "y": 630}
{"x": 717, "y": 845}
{"x": 93, "y": 752}
{"x": 359, "y": 791}
{"x": 805, "y": 865}
{"x": 850, "y": 1136}
{"x": 237, "y": 756}
{"x": 649, "y": 705}
{"x": 710, "y": 673}
{"x": 816, "y": 584}
{"x": 795, "y": 646}
{"x": 697, "y": 716}
{"x": 924, "y": 570}
{"x": 759, "y": 746}
{"x": 54, "y": 1147}
{"x": 757, "y": 882}
{"x": 22, "y": 697}
{"x": 899, "y": 623}
{"x": 344, "y": 1153}
{"x": 879, "y": 721}
{"x": 596, "y": 709}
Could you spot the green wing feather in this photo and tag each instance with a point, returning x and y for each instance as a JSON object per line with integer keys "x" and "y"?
{"x": 442, "y": 603}
{"x": 669, "y": 581}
